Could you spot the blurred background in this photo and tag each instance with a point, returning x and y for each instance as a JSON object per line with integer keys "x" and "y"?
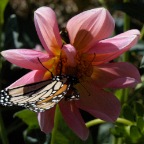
{"x": 17, "y": 30}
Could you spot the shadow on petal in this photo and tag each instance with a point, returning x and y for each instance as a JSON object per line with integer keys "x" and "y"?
{"x": 99, "y": 103}
{"x": 73, "y": 118}
{"x": 46, "y": 120}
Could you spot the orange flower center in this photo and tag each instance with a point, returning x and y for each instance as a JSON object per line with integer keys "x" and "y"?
{"x": 82, "y": 68}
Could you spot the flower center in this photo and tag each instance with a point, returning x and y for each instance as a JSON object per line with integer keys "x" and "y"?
{"x": 82, "y": 68}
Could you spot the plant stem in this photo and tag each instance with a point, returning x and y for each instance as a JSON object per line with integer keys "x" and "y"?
{"x": 94, "y": 122}
{"x": 124, "y": 96}
{"x": 125, "y": 92}
{"x": 125, "y": 57}
{"x": 125, "y": 28}
{"x": 99, "y": 121}
{"x": 119, "y": 120}
{"x": 124, "y": 121}
{"x": 3, "y": 133}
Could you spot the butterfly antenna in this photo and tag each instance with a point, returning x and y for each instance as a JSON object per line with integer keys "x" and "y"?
{"x": 46, "y": 68}
{"x": 85, "y": 89}
{"x": 61, "y": 65}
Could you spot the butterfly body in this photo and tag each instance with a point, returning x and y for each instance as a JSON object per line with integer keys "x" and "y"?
{"x": 42, "y": 95}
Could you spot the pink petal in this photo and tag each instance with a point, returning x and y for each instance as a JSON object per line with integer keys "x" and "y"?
{"x": 70, "y": 52}
{"x": 89, "y": 27}
{"x": 46, "y": 120}
{"x": 122, "y": 83}
{"x": 26, "y": 58}
{"x": 31, "y": 77}
{"x": 47, "y": 29}
{"x": 73, "y": 118}
{"x": 116, "y": 75}
{"x": 108, "y": 49}
{"x": 99, "y": 103}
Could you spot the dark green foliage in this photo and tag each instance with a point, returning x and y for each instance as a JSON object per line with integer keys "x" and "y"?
{"x": 127, "y": 112}
{"x": 28, "y": 117}
{"x": 134, "y": 132}
{"x": 142, "y": 63}
{"x": 133, "y": 9}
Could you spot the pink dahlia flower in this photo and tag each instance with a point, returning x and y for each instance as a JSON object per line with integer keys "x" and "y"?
{"x": 86, "y": 56}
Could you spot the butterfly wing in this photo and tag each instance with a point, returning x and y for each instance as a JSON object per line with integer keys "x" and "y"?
{"x": 48, "y": 102}
{"x": 38, "y": 96}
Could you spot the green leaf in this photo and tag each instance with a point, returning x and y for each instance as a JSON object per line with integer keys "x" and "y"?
{"x": 32, "y": 134}
{"x": 134, "y": 133}
{"x": 28, "y": 117}
{"x": 62, "y": 134}
{"x": 140, "y": 124}
{"x": 120, "y": 130}
{"x": 117, "y": 131}
{"x": 139, "y": 109}
{"x": 118, "y": 93}
{"x": 128, "y": 113}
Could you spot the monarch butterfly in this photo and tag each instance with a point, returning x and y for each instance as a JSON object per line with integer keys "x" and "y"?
{"x": 41, "y": 96}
